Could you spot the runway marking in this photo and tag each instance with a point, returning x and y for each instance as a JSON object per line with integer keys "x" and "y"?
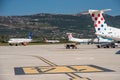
{"x": 69, "y": 70}
{"x": 30, "y": 71}
{"x": 86, "y": 69}
{"x": 76, "y": 77}
{"x": 60, "y": 69}
{"x": 45, "y": 60}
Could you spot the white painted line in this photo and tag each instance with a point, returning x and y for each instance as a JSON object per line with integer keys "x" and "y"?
{"x": 4, "y": 74}
{"x": 84, "y": 58}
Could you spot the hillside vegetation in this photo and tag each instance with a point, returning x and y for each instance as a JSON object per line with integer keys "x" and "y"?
{"x": 52, "y": 26}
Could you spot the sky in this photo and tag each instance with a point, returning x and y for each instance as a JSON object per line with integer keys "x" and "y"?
{"x": 29, "y": 7}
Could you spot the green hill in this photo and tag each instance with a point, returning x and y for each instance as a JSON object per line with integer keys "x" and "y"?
{"x": 52, "y": 26}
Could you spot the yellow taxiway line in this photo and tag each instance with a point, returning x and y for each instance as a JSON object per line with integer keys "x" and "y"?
{"x": 72, "y": 75}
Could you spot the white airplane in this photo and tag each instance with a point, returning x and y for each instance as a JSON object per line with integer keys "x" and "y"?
{"x": 72, "y": 39}
{"x": 101, "y": 27}
{"x": 23, "y": 41}
{"x": 101, "y": 40}
{"x": 52, "y": 41}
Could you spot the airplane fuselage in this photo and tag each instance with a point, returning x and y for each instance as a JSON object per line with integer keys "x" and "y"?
{"x": 112, "y": 33}
{"x": 19, "y": 40}
{"x": 52, "y": 41}
{"x": 79, "y": 40}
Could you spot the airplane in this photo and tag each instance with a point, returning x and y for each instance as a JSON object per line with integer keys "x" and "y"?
{"x": 101, "y": 27}
{"x": 77, "y": 40}
{"x": 101, "y": 40}
{"x": 23, "y": 41}
{"x": 51, "y": 41}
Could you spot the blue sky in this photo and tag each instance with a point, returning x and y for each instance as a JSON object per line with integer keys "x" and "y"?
{"x": 28, "y": 7}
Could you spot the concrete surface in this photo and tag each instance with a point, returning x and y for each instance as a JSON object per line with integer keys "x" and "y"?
{"x": 23, "y": 56}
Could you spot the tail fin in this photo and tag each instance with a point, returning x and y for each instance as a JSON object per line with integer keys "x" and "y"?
{"x": 69, "y": 35}
{"x": 45, "y": 39}
{"x": 30, "y": 35}
{"x": 99, "y": 21}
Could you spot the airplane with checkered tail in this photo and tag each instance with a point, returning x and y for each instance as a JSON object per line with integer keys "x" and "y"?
{"x": 101, "y": 27}
{"x": 103, "y": 30}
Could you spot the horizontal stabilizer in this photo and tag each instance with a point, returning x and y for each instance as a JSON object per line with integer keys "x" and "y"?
{"x": 90, "y": 10}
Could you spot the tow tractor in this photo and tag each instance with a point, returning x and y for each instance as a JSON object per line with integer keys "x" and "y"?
{"x": 71, "y": 45}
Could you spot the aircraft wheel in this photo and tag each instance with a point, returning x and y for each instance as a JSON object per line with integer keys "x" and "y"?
{"x": 11, "y": 44}
{"x": 98, "y": 46}
{"x": 24, "y": 44}
{"x": 67, "y": 46}
{"x": 107, "y": 46}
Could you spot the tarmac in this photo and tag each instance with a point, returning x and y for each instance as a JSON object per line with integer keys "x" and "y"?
{"x": 55, "y": 62}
